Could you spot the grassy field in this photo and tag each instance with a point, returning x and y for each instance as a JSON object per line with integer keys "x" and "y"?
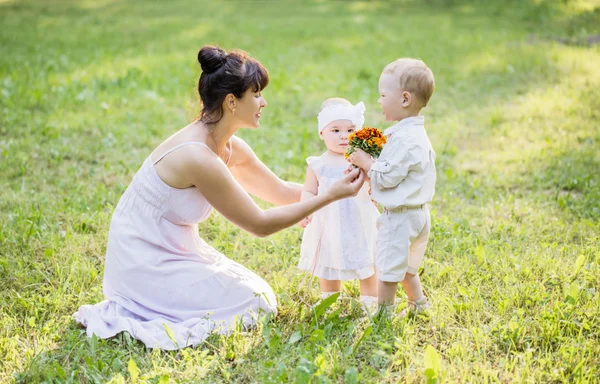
{"x": 89, "y": 88}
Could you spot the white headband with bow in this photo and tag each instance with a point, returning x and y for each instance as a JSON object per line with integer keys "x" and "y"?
{"x": 354, "y": 113}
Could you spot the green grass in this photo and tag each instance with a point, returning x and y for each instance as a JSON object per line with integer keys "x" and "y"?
{"x": 89, "y": 88}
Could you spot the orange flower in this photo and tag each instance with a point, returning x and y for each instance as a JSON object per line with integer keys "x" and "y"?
{"x": 363, "y": 134}
{"x": 369, "y": 139}
{"x": 379, "y": 141}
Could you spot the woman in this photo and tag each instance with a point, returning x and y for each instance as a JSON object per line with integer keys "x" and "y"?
{"x": 165, "y": 285}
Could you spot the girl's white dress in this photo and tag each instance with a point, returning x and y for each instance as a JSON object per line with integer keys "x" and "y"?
{"x": 339, "y": 242}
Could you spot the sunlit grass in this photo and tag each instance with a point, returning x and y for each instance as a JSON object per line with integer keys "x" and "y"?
{"x": 88, "y": 89}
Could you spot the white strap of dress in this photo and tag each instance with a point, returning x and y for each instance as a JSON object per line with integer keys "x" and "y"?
{"x": 179, "y": 146}
{"x": 230, "y": 151}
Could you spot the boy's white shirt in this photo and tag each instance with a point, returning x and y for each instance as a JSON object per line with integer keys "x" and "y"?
{"x": 404, "y": 174}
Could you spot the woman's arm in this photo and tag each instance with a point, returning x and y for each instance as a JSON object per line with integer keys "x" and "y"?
{"x": 257, "y": 179}
{"x": 212, "y": 177}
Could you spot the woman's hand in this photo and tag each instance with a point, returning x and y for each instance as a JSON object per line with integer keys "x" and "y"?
{"x": 347, "y": 186}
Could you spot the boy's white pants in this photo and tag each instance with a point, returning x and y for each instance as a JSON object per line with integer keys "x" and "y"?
{"x": 402, "y": 236}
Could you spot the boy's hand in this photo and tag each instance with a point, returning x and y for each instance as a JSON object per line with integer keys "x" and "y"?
{"x": 351, "y": 167}
{"x": 361, "y": 159}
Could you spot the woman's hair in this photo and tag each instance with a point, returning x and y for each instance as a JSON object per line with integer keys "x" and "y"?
{"x": 224, "y": 73}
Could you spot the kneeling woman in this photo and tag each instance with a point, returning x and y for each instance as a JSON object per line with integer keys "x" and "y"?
{"x": 159, "y": 273}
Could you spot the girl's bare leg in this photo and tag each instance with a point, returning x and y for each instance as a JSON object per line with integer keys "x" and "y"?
{"x": 329, "y": 287}
{"x": 368, "y": 286}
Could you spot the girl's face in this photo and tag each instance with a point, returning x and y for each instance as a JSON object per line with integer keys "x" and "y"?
{"x": 335, "y": 135}
{"x": 248, "y": 108}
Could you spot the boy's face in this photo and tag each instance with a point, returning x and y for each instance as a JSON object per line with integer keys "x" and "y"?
{"x": 392, "y": 99}
{"x": 335, "y": 135}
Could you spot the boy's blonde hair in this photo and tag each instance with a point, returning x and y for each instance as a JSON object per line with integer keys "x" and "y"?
{"x": 414, "y": 77}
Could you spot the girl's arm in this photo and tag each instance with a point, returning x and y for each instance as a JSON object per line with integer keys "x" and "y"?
{"x": 310, "y": 190}
{"x": 311, "y": 185}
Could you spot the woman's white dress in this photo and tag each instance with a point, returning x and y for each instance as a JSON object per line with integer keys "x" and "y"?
{"x": 159, "y": 274}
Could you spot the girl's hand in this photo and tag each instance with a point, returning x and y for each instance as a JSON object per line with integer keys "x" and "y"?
{"x": 361, "y": 159}
{"x": 307, "y": 220}
{"x": 347, "y": 186}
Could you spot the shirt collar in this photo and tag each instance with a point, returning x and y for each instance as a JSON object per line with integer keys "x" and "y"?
{"x": 405, "y": 124}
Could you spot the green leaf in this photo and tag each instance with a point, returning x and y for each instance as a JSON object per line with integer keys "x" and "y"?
{"x": 295, "y": 337}
{"x": 365, "y": 334}
{"x": 320, "y": 308}
{"x": 433, "y": 364}
{"x": 351, "y": 375}
{"x": 562, "y": 202}
{"x": 571, "y": 292}
{"x": 348, "y": 351}
{"x": 462, "y": 291}
{"x": 317, "y": 335}
{"x": 431, "y": 376}
{"x": 230, "y": 354}
{"x": 321, "y": 364}
{"x": 59, "y": 370}
{"x": 574, "y": 290}
{"x": 134, "y": 372}
{"x": 578, "y": 264}
{"x": 170, "y": 334}
{"x": 275, "y": 341}
{"x": 93, "y": 345}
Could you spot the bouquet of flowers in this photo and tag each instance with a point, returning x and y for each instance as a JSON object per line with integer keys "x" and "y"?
{"x": 370, "y": 140}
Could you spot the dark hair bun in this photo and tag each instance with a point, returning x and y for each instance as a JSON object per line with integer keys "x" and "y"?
{"x": 211, "y": 58}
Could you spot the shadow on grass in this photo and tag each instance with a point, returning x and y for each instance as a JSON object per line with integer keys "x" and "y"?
{"x": 77, "y": 358}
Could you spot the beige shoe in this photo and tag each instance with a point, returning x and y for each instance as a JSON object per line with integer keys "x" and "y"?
{"x": 369, "y": 305}
{"x": 415, "y": 307}
{"x": 388, "y": 310}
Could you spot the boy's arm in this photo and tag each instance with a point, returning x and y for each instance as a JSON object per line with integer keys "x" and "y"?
{"x": 390, "y": 170}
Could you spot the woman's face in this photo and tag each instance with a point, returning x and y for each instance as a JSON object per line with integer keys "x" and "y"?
{"x": 248, "y": 108}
